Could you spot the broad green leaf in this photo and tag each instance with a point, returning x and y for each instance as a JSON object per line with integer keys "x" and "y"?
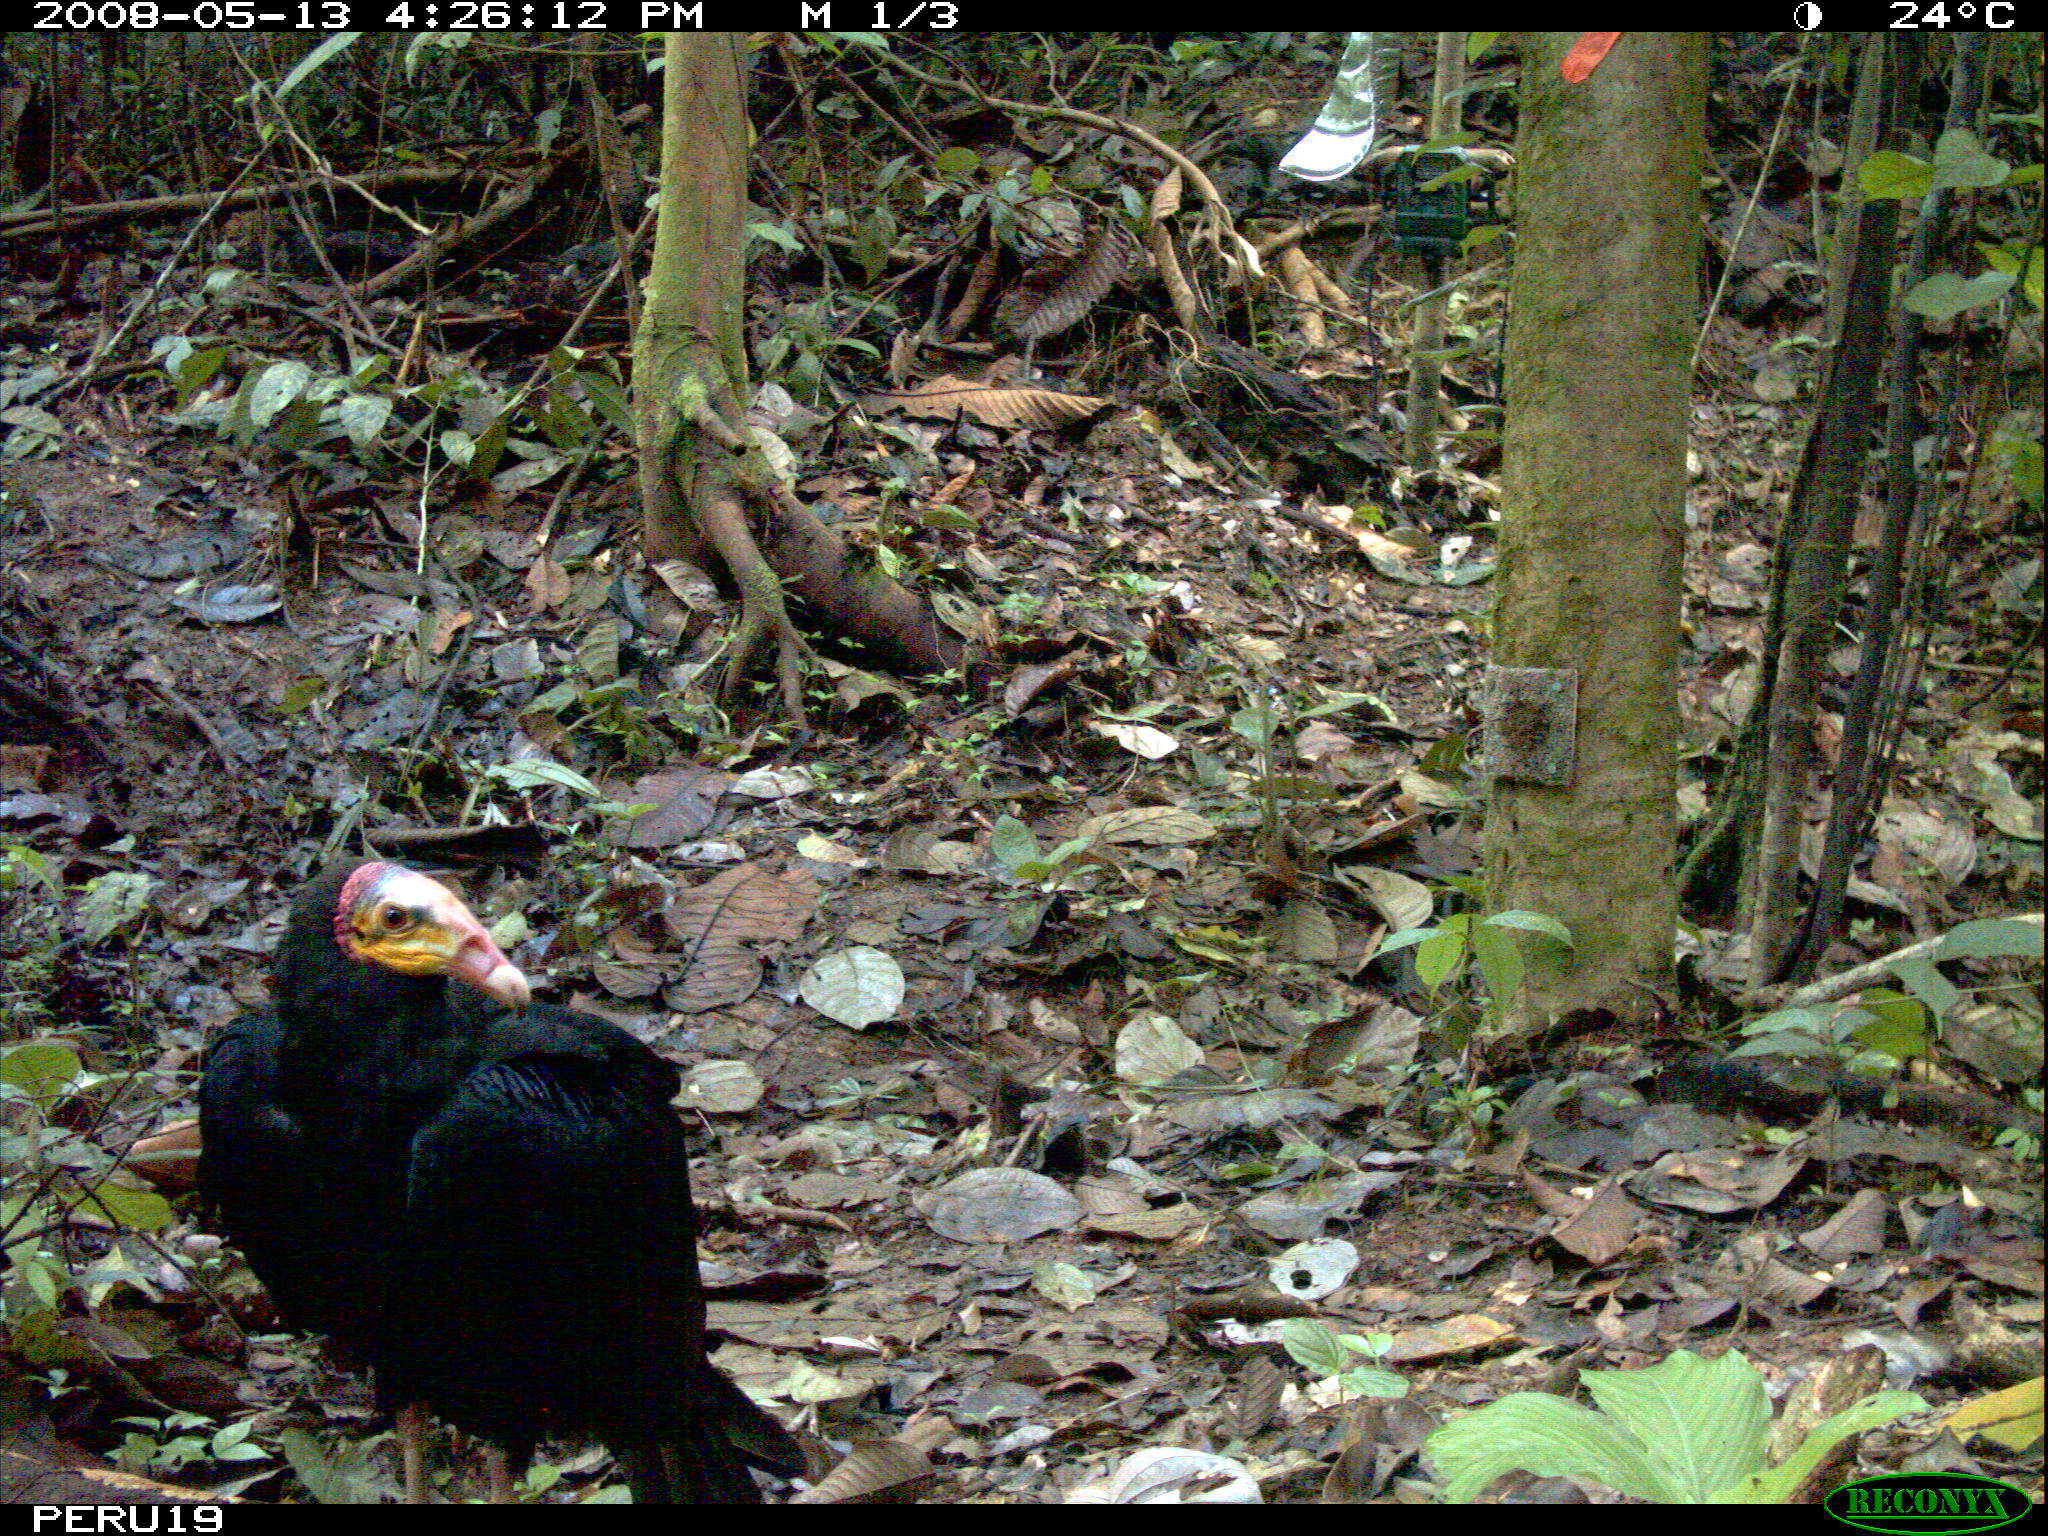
{"x": 1547, "y": 1436}
{"x": 195, "y": 372}
{"x": 1947, "y": 294}
{"x": 1706, "y": 1423}
{"x": 1313, "y": 1347}
{"x": 1987, "y": 937}
{"x": 42, "y": 1069}
{"x": 1810, "y": 1021}
{"x": 301, "y": 694}
{"x": 2008, "y": 257}
{"x": 1891, "y": 174}
{"x": 362, "y": 417}
{"x": 1925, "y": 981}
{"x": 1373, "y": 1381}
{"x": 1012, "y": 844}
{"x": 609, "y": 401}
{"x": 1960, "y": 161}
{"x": 18, "y": 862}
{"x": 1254, "y": 723}
{"x": 139, "y": 1210}
{"x": 776, "y": 234}
{"x": 457, "y": 447}
{"x": 276, "y": 387}
{"x": 1894, "y": 1023}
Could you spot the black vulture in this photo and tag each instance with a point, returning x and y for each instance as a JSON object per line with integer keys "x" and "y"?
{"x": 487, "y": 1201}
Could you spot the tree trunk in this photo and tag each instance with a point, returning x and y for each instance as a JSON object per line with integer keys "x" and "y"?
{"x": 707, "y": 496}
{"x": 1603, "y": 304}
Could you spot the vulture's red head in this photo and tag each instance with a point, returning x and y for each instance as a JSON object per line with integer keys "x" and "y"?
{"x": 398, "y": 918}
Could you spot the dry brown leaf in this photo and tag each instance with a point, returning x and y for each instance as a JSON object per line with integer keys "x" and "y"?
{"x": 715, "y": 922}
{"x": 947, "y": 398}
{"x": 882, "y": 1472}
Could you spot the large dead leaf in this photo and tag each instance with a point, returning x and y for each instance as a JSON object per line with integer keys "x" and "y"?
{"x": 998, "y": 1205}
{"x": 1154, "y": 824}
{"x": 948, "y": 398}
{"x": 1057, "y": 292}
{"x": 716, "y": 921}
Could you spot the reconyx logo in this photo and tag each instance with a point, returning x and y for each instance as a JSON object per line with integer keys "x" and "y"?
{"x": 1948, "y": 1502}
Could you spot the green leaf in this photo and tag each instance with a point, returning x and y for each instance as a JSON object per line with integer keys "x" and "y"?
{"x": 1894, "y": 1023}
{"x": 776, "y": 234}
{"x": 1499, "y": 962}
{"x": 1891, "y": 174}
{"x": 1072, "y": 848}
{"x": 44, "y": 1280}
{"x": 1947, "y": 294}
{"x": 1254, "y": 723}
{"x": 2009, "y": 257}
{"x": 609, "y": 401}
{"x": 1988, "y": 937}
{"x": 561, "y": 696}
{"x": 1532, "y": 922}
{"x": 113, "y": 902}
{"x": 42, "y": 1069}
{"x": 598, "y": 656}
{"x": 1548, "y": 1436}
{"x": 1371, "y": 1381}
{"x": 1013, "y": 844}
{"x": 139, "y": 1210}
{"x": 274, "y": 388}
{"x": 957, "y": 163}
{"x": 537, "y": 772}
{"x": 18, "y": 861}
{"x": 301, "y": 694}
{"x": 1925, "y": 981}
{"x": 195, "y": 372}
{"x": 457, "y": 447}
{"x": 1786, "y": 1478}
{"x": 1404, "y": 939}
{"x": 1313, "y": 1347}
{"x": 1707, "y": 1423}
{"x": 362, "y": 417}
{"x": 1960, "y": 161}
{"x": 312, "y": 61}
{"x": 1440, "y": 957}
{"x": 1372, "y": 1346}
{"x": 1807, "y": 1021}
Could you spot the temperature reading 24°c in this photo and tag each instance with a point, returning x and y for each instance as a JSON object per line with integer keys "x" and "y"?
{"x": 1911, "y": 16}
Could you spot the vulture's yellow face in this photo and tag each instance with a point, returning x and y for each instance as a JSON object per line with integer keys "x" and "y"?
{"x": 398, "y": 918}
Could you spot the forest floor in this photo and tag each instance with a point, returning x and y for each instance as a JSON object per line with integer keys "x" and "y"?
{"x": 1055, "y": 1025}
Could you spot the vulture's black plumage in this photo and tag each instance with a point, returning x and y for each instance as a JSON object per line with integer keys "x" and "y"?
{"x": 486, "y": 1200}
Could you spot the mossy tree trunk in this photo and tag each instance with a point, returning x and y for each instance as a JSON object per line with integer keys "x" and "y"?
{"x": 1604, "y": 300}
